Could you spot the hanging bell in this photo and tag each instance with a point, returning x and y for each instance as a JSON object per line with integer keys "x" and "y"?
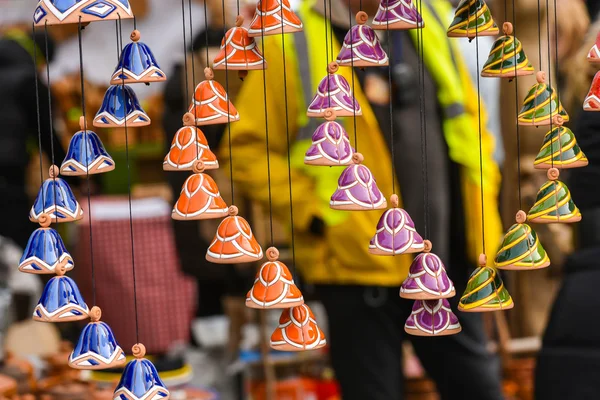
{"x": 140, "y": 380}
{"x": 541, "y": 104}
{"x": 211, "y": 104}
{"x": 397, "y": 14}
{"x": 86, "y": 154}
{"x": 521, "y": 248}
{"x": 592, "y": 100}
{"x": 333, "y": 92}
{"x": 45, "y": 252}
{"x": 396, "y": 233}
{"x": 330, "y": 144}
{"x": 594, "y": 53}
{"x": 60, "y": 12}
{"x": 361, "y": 47}
{"x": 137, "y": 64}
{"x": 553, "y": 203}
{"x": 507, "y": 58}
{"x": 272, "y": 17}
{"x": 234, "y": 242}
{"x": 199, "y": 198}
{"x": 239, "y": 51}
{"x": 61, "y": 300}
{"x": 274, "y": 285}
{"x": 297, "y": 331}
{"x": 485, "y": 291}
{"x": 97, "y": 347}
{"x": 357, "y": 189}
{"x": 472, "y": 18}
{"x": 427, "y": 278}
{"x": 121, "y": 108}
{"x": 189, "y": 145}
{"x": 560, "y": 149}
{"x": 432, "y": 318}
{"x": 55, "y": 202}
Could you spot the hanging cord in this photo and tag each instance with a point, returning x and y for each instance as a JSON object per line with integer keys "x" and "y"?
{"x": 539, "y": 22}
{"x": 325, "y": 24}
{"x": 550, "y": 86}
{"x": 391, "y": 100}
{"x": 206, "y": 32}
{"x": 185, "y": 63}
{"x": 228, "y": 104}
{"x": 514, "y": 17}
{"x": 480, "y": 140}
{"x": 423, "y": 123}
{"x": 135, "y": 304}
{"x": 50, "y": 119}
{"x": 262, "y": 42}
{"x": 193, "y": 56}
{"x": 87, "y": 172}
{"x": 134, "y": 22}
{"x": 37, "y": 110}
{"x": 351, "y": 70}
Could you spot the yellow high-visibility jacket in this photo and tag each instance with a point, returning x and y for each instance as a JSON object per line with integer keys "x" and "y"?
{"x": 342, "y": 257}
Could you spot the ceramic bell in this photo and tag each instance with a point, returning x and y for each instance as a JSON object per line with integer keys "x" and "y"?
{"x": 189, "y": 145}
{"x": 56, "y": 12}
{"x": 330, "y": 144}
{"x": 234, "y": 242}
{"x": 472, "y": 18}
{"x": 140, "y": 380}
{"x": 199, "y": 198}
{"x": 397, "y": 14}
{"x": 61, "y": 300}
{"x": 272, "y": 17}
{"x": 137, "y": 64}
{"x": 333, "y": 92}
{"x": 45, "y": 252}
{"x": 485, "y": 291}
{"x": 521, "y": 249}
{"x": 297, "y": 331}
{"x": 432, "y": 318}
{"x": 97, "y": 347}
{"x": 553, "y": 202}
{"x": 121, "y": 108}
{"x": 594, "y": 53}
{"x": 592, "y": 100}
{"x": 274, "y": 285}
{"x": 427, "y": 278}
{"x": 211, "y": 104}
{"x": 541, "y": 104}
{"x": 357, "y": 189}
{"x": 507, "y": 58}
{"x": 560, "y": 149}
{"x": 55, "y": 202}
{"x": 86, "y": 155}
{"x": 396, "y": 233}
{"x": 239, "y": 51}
{"x": 361, "y": 47}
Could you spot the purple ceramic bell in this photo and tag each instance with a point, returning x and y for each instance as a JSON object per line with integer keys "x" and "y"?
{"x": 396, "y": 233}
{"x": 330, "y": 144}
{"x": 361, "y": 47}
{"x": 432, "y": 318}
{"x": 333, "y": 92}
{"x": 357, "y": 189}
{"x": 427, "y": 278}
{"x": 397, "y": 14}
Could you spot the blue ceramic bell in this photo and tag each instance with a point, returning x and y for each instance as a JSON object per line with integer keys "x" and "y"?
{"x": 60, "y": 301}
{"x": 57, "y": 12}
{"x": 137, "y": 64}
{"x": 44, "y": 252}
{"x": 140, "y": 380}
{"x": 120, "y": 106}
{"x": 97, "y": 347}
{"x": 86, "y": 154}
{"x": 55, "y": 201}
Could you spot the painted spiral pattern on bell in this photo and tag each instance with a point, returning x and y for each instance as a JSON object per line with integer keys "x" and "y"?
{"x": 507, "y": 59}
{"x": 554, "y": 204}
{"x": 560, "y": 150}
{"x": 521, "y": 249}
{"x": 540, "y": 105}
{"x": 485, "y": 292}
{"x": 472, "y": 18}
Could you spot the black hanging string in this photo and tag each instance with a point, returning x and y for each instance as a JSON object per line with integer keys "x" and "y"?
{"x": 87, "y": 172}
{"x": 50, "y": 119}
{"x": 185, "y": 63}
{"x": 351, "y": 72}
{"x": 228, "y": 104}
{"x": 539, "y": 22}
{"x": 550, "y": 86}
{"x": 391, "y": 98}
{"x": 206, "y": 32}
{"x": 331, "y": 32}
{"x": 423, "y": 125}
{"x": 135, "y": 304}
{"x": 37, "y": 110}
{"x": 480, "y": 140}
{"x": 193, "y": 56}
{"x": 325, "y": 25}
{"x": 134, "y": 22}
{"x": 514, "y": 17}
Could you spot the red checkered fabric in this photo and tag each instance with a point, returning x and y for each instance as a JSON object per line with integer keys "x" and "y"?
{"x": 165, "y": 297}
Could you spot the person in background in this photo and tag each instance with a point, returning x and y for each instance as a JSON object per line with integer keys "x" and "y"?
{"x": 360, "y": 292}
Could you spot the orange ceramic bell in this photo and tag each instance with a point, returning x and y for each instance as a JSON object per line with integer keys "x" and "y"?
{"x": 274, "y": 285}
{"x": 594, "y": 53}
{"x": 211, "y": 104}
{"x": 188, "y": 146}
{"x": 297, "y": 331}
{"x": 592, "y": 100}
{"x": 234, "y": 242}
{"x": 239, "y": 51}
{"x": 273, "y": 15}
{"x": 199, "y": 198}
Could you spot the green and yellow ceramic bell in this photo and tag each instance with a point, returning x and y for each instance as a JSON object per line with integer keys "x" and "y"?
{"x": 541, "y": 104}
{"x": 485, "y": 291}
{"x": 472, "y": 18}
{"x": 560, "y": 149}
{"x": 521, "y": 249}
{"x": 553, "y": 203}
{"x": 507, "y": 58}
